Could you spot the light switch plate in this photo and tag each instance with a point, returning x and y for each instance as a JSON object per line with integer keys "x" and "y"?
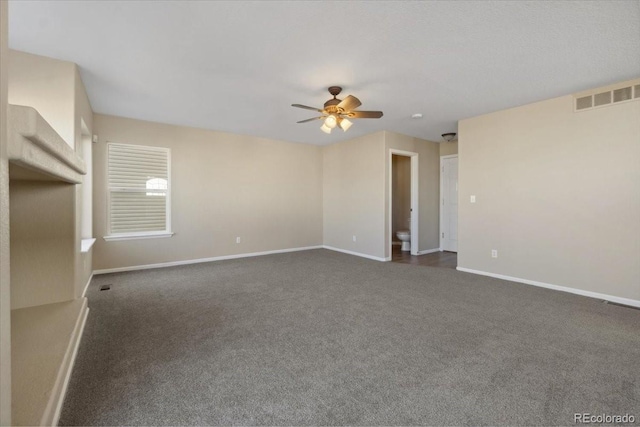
{"x": 473, "y": 199}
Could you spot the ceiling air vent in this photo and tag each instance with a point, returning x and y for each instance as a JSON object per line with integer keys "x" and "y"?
{"x": 584, "y": 102}
{"x": 603, "y": 98}
{"x": 622, "y": 94}
{"x": 636, "y": 91}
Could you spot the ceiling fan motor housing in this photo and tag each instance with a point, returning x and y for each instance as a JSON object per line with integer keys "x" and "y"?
{"x": 330, "y": 105}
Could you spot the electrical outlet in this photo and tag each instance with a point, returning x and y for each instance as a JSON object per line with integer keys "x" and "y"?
{"x": 354, "y": 238}
{"x": 472, "y": 199}
{"x": 237, "y": 240}
{"x": 494, "y": 253}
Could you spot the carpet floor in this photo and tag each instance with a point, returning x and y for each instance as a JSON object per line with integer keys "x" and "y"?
{"x": 323, "y": 338}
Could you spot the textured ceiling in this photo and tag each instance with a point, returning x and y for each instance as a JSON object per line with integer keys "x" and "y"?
{"x": 237, "y": 66}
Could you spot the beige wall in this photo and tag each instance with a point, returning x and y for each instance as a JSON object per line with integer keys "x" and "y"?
{"x": 83, "y": 128}
{"x": 401, "y": 194}
{"x": 55, "y": 89}
{"x": 357, "y": 189}
{"x": 428, "y": 187}
{"x": 448, "y": 148}
{"x": 558, "y": 195}
{"x": 224, "y": 186}
{"x": 82, "y": 109}
{"x": 48, "y": 85}
{"x": 353, "y": 195}
{"x": 42, "y": 242}
{"x": 5, "y": 288}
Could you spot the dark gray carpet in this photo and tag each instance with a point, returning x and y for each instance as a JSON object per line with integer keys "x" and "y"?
{"x": 324, "y": 338}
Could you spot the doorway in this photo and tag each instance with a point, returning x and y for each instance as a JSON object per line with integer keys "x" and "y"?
{"x": 407, "y": 216}
{"x": 449, "y": 203}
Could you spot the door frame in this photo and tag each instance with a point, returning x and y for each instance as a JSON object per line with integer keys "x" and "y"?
{"x": 415, "y": 214}
{"x": 441, "y": 201}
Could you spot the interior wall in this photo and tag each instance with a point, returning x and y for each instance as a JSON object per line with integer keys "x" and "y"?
{"x": 83, "y": 113}
{"x": 353, "y": 195}
{"x": 428, "y": 187}
{"x": 557, "y": 195}
{"x": 49, "y": 86}
{"x": 55, "y": 89}
{"x": 448, "y": 148}
{"x": 401, "y": 194}
{"x": 268, "y": 193}
{"x": 42, "y": 248}
{"x": 5, "y": 287}
{"x": 83, "y": 129}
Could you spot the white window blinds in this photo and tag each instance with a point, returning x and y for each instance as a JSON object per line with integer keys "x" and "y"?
{"x": 139, "y": 189}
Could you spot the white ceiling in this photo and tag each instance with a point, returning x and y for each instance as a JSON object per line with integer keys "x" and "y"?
{"x": 237, "y": 66}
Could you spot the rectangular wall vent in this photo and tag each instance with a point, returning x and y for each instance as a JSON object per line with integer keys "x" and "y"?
{"x": 622, "y": 94}
{"x": 603, "y": 98}
{"x": 584, "y": 102}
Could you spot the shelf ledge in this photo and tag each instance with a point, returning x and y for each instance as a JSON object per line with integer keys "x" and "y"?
{"x": 86, "y": 245}
{"x": 36, "y": 146}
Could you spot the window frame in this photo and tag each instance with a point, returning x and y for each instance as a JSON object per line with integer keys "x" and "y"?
{"x": 167, "y": 232}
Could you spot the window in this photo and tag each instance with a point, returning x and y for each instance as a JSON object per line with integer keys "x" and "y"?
{"x": 139, "y": 191}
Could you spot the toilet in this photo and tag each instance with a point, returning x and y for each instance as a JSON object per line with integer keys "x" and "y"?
{"x": 405, "y": 238}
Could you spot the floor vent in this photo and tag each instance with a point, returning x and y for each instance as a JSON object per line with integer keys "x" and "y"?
{"x": 620, "y": 305}
{"x": 615, "y": 96}
{"x": 105, "y": 287}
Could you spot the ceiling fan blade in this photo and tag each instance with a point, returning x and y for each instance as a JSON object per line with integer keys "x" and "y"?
{"x": 349, "y": 103}
{"x": 364, "y": 114}
{"x": 310, "y": 120}
{"x": 306, "y": 107}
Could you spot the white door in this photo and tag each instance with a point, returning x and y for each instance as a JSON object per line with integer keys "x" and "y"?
{"x": 449, "y": 212}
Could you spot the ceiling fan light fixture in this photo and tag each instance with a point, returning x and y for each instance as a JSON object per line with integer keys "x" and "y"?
{"x": 324, "y": 128}
{"x": 336, "y": 111}
{"x": 449, "y": 136}
{"x": 331, "y": 121}
{"x": 344, "y": 124}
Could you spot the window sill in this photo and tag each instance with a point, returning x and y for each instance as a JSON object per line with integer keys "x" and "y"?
{"x": 86, "y": 244}
{"x": 136, "y": 236}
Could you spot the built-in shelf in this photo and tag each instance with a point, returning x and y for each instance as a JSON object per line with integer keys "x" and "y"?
{"x": 44, "y": 342}
{"x": 37, "y": 148}
{"x": 48, "y": 312}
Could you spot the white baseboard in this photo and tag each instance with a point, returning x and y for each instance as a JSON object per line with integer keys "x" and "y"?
{"x": 87, "y": 285}
{"x": 344, "y": 251}
{"x": 51, "y": 414}
{"x": 200, "y": 260}
{"x": 619, "y": 300}
{"x": 428, "y": 251}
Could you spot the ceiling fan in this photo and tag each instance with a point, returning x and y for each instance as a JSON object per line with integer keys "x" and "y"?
{"x": 336, "y": 112}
